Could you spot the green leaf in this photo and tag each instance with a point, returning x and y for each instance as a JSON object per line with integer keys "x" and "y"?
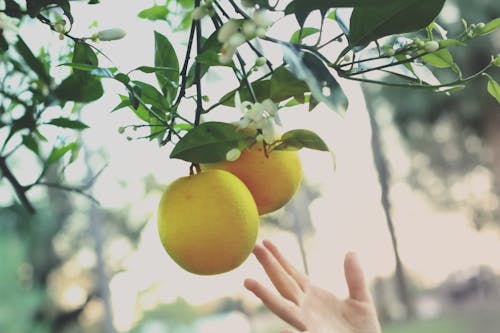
{"x": 123, "y": 78}
{"x": 450, "y": 42}
{"x": 398, "y": 16}
{"x": 303, "y": 33}
{"x": 165, "y": 56}
{"x": 210, "y": 142}
{"x": 35, "y": 6}
{"x": 439, "y": 59}
{"x": 79, "y": 89}
{"x": 58, "y": 152}
{"x": 30, "y": 143}
{"x": 301, "y": 138}
{"x": 149, "y": 69}
{"x": 68, "y": 123}
{"x": 308, "y": 6}
{"x": 310, "y": 68}
{"x": 285, "y": 85}
{"x": 150, "y": 95}
{"x": 123, "y": 104}
{"x": 82, "y": 67}
{"x": 282, "y": 86}
{"x": 154, "y": 13}
{"x": 494, "y": 88}
{"x": 83, "y": 54}
{"x": 13, "y": 9}
{"x": 489, "y": 27}
{"x": 33, "y": 62}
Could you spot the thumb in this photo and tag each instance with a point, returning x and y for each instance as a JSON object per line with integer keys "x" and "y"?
{"x": 355, "y": 278}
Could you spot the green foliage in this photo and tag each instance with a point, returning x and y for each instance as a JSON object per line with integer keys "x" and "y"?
{"x": 156, "y": 12}
{"x": 165, "y": 56}
{"x": 298, "y": 139}
{"x": 209, "y": 142}
{"x": 374, "y": 42}
{"x": 369, "y": 23}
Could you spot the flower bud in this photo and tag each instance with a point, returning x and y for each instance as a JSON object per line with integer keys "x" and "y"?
{"x": 226, "y": 55}
{"x": 227, "y": 30}
{"x": 260, "y": 61}
{"x": 199, "y": 13}
{"x": 261, "y": 18}
{"x": 233, "y": 154}
{"x": 236, "y": 40}
{"x": 480, "y": 26}
{"x": 111, "y": 34}
{"x": 260, "y": 32}
{"x": 389, "y": 52}
{"x": 249, "y": 28}
{"x": 431, "y": 46}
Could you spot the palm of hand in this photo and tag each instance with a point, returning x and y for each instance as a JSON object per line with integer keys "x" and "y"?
{"x": 310, "y": 308}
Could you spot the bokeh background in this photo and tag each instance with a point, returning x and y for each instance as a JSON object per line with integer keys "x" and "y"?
{"x": 414, "y": 192}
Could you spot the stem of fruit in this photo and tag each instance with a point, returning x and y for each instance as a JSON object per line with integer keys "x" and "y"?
{"x": 194, "y": 169}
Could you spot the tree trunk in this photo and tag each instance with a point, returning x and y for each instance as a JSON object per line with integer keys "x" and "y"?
{"x": 384, "y": 179}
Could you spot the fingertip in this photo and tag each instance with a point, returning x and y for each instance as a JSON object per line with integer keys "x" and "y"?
{"x": 249, "y": 283}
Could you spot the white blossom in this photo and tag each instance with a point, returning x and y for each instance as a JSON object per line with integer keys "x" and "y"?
{"x": 260, "y": 116}
{"x": 226, "y": 54}
{"x": 227, "y": 30}
{"x": 249, "y": 28}
{"x": 236, "y": 40}
{"x": 261, "y": 18}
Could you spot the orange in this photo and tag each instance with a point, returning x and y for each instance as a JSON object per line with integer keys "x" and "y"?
{"x": 272, "y": 180}
{"x": 208, "y": 222}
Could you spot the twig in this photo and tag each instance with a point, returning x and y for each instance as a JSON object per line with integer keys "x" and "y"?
{"x": 18, "y": 188}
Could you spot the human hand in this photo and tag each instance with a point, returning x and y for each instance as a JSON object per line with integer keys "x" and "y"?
{"x": 308, "y": 307}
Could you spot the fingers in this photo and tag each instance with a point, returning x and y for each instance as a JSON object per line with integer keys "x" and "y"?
{"x": 279, "y": 306}
{"x": 355, "y": 278}
{"x": 297, "y": 275}
{"x": 283, "y": 282}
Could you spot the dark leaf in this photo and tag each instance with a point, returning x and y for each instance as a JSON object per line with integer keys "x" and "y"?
{"x": 67, "y": 123}
{"x": 33, "y": 62}
{"x": 398, "y": 16}
{"x": 150, "y": 95}
{"x": 13, "y": 9}
{"x": 165, "y": 56}
{"x": 310, "y": 68}
{"x": 30, "y": 143}
{"x": 210, "y": 142}
{"x": 79, "y": 89}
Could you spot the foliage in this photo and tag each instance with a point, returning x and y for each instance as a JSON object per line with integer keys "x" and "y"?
{"x": 400, "y": 39}
{"x": 468, "y": 122}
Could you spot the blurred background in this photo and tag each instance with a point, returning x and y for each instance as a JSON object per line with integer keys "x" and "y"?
{"x": 414, "y": 192}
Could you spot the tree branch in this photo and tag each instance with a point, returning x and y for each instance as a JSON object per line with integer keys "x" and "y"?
{"x": 18, "y": 188}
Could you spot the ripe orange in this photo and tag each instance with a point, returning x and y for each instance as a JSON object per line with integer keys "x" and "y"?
{"x": 208, "y": 222}
{"x": 272, "y": 180}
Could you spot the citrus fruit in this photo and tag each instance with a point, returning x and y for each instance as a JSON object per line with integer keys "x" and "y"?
{"x": 208, "y": 222}
{"x": 272, "y": 179}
